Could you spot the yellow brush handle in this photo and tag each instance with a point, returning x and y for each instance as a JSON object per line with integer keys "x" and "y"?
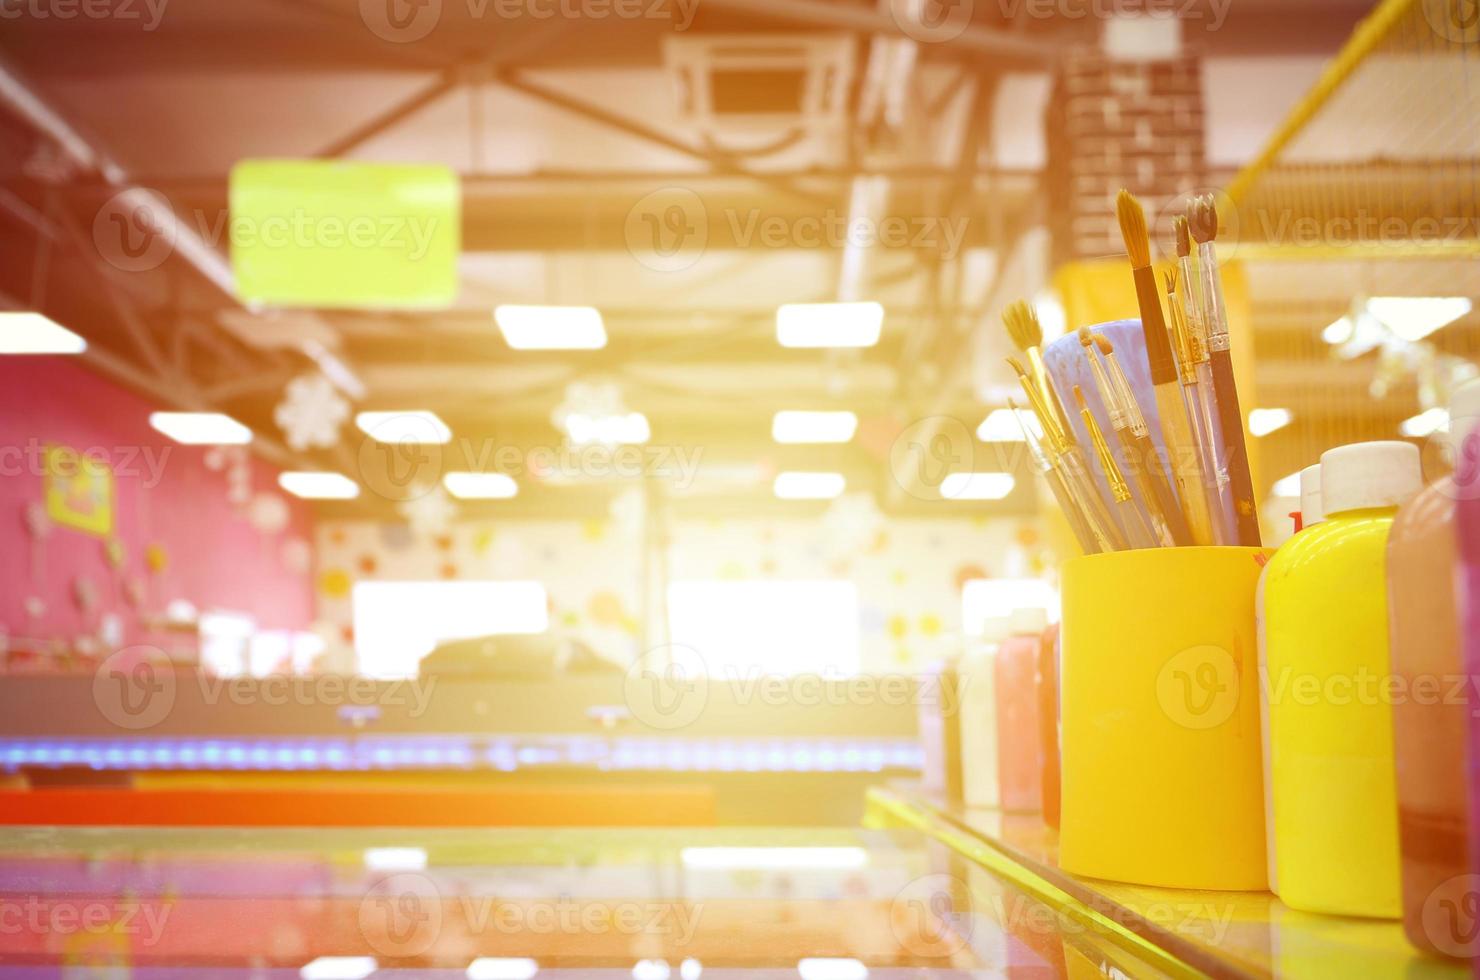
{"x": 1182, "y": 461}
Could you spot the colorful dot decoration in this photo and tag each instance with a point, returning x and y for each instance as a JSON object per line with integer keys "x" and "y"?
{"x": 335, "y": 583}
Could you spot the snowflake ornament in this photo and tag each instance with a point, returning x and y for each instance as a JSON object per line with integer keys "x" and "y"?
{"x": 592, "y": 413}
{"x": 430, "y": 513}
{"x": 311, "y": 412}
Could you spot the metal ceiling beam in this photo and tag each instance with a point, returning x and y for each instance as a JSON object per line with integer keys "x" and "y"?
{"x": 718, "y": 160}
{"x": 392, "y": 117}
{"x": 26, "y": 100}
{"x": 870, "y": 20}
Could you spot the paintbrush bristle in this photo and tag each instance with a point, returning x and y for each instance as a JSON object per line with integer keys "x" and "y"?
{"x": 1133, "y": 229}
{"x": 1079, "y": 397}
{"x": 1103, "y": 343}
{"x": 1086, "y": 339}
{"x": 1171, "y": 280}
{"x": 1202, "y": 218}
{"x": 1184, "y": 239}
{"x": 1023, "y": 326}
{"x": 1017, "y": 367}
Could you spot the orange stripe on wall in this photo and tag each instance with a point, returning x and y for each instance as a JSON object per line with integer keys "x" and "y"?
{"x": 566, "y": 806}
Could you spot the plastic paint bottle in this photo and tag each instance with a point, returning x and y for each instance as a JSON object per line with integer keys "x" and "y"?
{"x": 1467, "y": 519}
{"x": 940, "y": 731}
{"x": 1048, "y": 722}
{"x": 978, "y": 683}
{"x": 1311, "y": 514}
{"x": 1331, "y": 720}
{"x": 1019, "y": 754}
{"x": 1430, "y": 727}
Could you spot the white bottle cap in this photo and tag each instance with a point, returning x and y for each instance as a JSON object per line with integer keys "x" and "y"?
{"x": 1464, "y": 412}
{"x": 995, "y": 629}
{"x": 1369, "y": 475}
{"x": 1310, "y": 496}
{"x": 1028, "y": 622}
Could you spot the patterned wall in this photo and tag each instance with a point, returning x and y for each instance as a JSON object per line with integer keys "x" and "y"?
{"x": 908, "y": 572}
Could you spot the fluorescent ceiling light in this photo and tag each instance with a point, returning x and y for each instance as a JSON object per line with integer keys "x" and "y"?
{"x": 480, "y": 486}
{"x": 551, "y": 327}
{"x": 1288, "y": 486}
{"x": 319, "y": 486}
{"x": 1263, "y": 421}
{"x": 813, "y": 427}
{"x": 772, "y": 858}
{"x": 32, "y": 333}
{"x": 829, "y": 324}
{"x": 502, "y": 968}
{"x": 832, "y": 968}
{"x": 631, "y": 429}
{"x": 396, "y": 858}
{"x": 1338, "y": 331}
{"x": 201, "y": 428}
{"x": 977, "y": 486}
{"x": 422, "y": 428}
{"x": 1426, "y": 423}
{"x": 339, "y": 968}
{"x": 1000, "y": 426}
{"x": 809, "y": 486}
{"x": 1413, "y": 318}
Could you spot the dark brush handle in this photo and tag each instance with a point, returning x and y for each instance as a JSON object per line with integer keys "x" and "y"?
{"x": 1231, "y": 420}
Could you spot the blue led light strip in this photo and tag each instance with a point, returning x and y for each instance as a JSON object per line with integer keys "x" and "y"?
{"x": 383, "y": 753}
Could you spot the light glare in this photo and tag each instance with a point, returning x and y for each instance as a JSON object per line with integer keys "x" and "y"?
{"x": 201, "y": 428}
{"x": 551, "y": 327}
{"x": 32, "y": 333}
{"x": 829, "y": 324}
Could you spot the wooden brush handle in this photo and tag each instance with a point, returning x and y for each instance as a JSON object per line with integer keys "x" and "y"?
{"x": 1176, "y": 432}
{"x": 1155, "y": 489}
{"x": 1231, "y": 419}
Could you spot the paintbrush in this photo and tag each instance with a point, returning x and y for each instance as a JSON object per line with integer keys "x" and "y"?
{"x": 1176, "y": 431}
{"x": 1026, "y": 332}
{"x": 1136, "y": 436}
{"x": 1199, "y": 407}
{"x": 1141, "y": 456}
{"x": 1205, "y": 414}
{"x": 1201, "y": 450}
{"x": 1082, "y": 533}
{"x": 1202, "y": 221}
{"x": 1067, "y": 459}
{"x": 1139, "y": 531}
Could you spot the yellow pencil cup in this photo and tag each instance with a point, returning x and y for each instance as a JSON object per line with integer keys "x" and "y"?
{"x": 1160, "y": 713}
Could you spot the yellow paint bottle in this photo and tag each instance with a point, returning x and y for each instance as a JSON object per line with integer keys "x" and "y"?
{"x": 1329, "y": 699}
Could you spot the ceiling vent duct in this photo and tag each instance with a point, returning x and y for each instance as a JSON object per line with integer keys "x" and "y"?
{"x": 763, "y": 84}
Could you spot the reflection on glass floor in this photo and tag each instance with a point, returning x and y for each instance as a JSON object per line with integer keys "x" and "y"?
{"x": 517, "y": 904}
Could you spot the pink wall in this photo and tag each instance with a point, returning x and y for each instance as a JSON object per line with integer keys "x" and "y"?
{"x": 163, "y": 493}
